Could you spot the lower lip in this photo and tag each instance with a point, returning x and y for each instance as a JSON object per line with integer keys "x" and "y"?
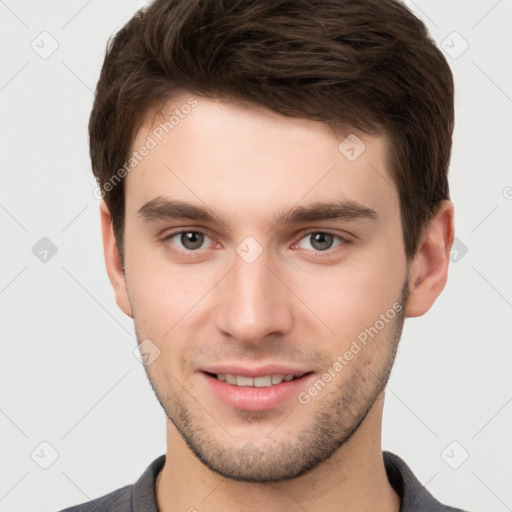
{"x": 249, "y": 398}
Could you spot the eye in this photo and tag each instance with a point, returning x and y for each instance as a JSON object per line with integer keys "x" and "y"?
{"x": 189, "y": 240}
{"x": 320, "y": 241}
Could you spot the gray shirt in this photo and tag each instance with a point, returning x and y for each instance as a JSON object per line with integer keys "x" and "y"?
{"x": 140, "y": 497}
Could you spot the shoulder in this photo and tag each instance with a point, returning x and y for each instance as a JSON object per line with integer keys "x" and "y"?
{"x": 136, "y": 497}
{"x": 414, "y": 496}
{"x": 115, "y": 501}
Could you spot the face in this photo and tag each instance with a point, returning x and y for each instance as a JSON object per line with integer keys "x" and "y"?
{"x": 267, "y": 267}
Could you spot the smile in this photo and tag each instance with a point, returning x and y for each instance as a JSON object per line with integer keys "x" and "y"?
{"x": 258, "y": 382}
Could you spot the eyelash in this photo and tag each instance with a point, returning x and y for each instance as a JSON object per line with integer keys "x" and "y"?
{"x": 343, "y": 241}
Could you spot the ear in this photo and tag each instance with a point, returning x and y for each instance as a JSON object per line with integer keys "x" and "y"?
{"x": 113, "y": 261}
{"x": 428, "y": 270}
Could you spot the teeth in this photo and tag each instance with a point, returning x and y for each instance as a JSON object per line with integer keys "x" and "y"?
{"x": 244, "y": 381}
{"x": 258, "y": 382}
{"x": 277, "y": 379}
{"x": 231, "y": 379}
{"x": 263, "y": 382}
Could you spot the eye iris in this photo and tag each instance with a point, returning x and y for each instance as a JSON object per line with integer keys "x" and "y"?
{"x": 192, "y": 240}
{"x": 321, "y": 241}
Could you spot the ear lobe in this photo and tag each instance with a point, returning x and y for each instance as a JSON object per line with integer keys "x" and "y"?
{"x": 428, "y": 271}
{"x": 115, "y": 271}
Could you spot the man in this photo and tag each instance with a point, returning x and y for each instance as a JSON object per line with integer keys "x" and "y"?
{"x": 275, "y": 203}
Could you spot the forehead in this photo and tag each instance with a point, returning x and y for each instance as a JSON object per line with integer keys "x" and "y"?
{"x": 228, "y": 155}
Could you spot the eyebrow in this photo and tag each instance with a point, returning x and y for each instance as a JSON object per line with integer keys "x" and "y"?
{"x": 166, "y": 209}
{"x": 344, "y": 210}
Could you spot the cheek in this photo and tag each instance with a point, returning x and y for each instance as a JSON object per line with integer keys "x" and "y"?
{"x": 350, "y": 297}
{"x": 162, "y": 294}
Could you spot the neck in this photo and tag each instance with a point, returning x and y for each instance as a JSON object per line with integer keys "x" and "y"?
{"x": 352, "y": 479}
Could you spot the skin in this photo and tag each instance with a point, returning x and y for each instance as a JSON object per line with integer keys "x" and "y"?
{"x": 293, "y": 305}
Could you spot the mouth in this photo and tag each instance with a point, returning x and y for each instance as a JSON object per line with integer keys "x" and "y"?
{"x": 261, "y": 390}
{"x": 263, "y": 381}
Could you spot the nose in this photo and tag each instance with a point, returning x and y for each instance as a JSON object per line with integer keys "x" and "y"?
{"x": 253, "y": 303}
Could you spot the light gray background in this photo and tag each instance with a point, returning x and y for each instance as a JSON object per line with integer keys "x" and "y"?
{"x": 68, "y": 374}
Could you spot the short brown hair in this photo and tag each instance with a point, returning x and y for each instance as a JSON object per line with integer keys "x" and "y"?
{"x": 366, "y": 65}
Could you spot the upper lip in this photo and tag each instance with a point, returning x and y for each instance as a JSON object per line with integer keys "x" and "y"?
{"x": 256, "y": 371}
